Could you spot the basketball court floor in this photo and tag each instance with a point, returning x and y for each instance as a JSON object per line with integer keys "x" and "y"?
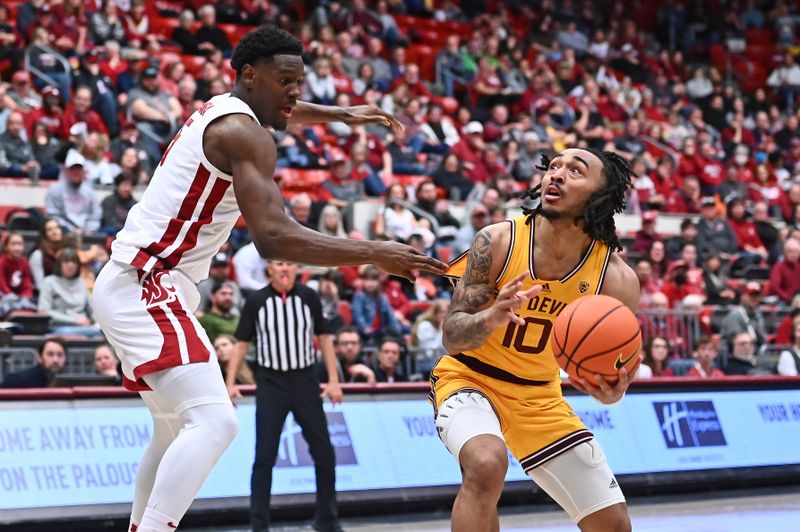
{"x": 744, "y": 511}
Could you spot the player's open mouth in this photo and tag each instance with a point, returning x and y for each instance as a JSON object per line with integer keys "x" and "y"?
{"x": 551, "y": 193}
{"x": 287, "y": 111}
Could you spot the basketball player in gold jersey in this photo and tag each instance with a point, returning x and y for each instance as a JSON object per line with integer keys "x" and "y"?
{"x": 499, "y": 387}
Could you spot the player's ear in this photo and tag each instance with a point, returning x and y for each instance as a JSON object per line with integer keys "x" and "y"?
{"x": 248, "y": 75}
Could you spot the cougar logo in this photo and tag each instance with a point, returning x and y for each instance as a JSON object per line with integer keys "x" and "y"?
{"x": 583, "y": 287}
{"x": 157, "y": 288}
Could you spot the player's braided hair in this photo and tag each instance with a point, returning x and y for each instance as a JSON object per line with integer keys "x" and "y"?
{"x": 598, "y": 214}
{"x": 263, "y": 43}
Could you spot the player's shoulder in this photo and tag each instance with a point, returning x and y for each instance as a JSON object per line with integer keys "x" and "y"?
{"x": 621, "y": 282}
{"x": 496, "y": 234}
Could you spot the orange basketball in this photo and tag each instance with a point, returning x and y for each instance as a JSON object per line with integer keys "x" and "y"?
{"x": 596, "y": 334}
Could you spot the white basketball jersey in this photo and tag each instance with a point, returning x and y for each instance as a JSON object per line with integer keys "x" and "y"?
{"x": 189, "y": 207}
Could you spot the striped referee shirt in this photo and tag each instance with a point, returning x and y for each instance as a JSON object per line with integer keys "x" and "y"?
{"x": 283, "y": 326}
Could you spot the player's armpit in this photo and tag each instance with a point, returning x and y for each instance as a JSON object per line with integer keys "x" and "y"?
{"x": 621, "y": 283}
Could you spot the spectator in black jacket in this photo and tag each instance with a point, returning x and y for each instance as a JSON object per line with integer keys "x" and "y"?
{"x": 387, "y": 366}
{"x": 184, "y": 35}
{"x": 209, "y": 36}
{"x": 116, "y": 205}
{"x": 52, "y": 358}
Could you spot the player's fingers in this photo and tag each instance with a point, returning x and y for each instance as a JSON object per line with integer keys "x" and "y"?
{"x": 591, "y": 389}
{"x": 516, "y": 318}
{"x": 430, "y": 264}
{"x": 579, "y": 384}
{"x": 601, "y": 382}
{"x": 391, "y": 121}
{"x": 530, "y": 292}
{"x": 509, "y": 291}
{"x": 623, "y": 382}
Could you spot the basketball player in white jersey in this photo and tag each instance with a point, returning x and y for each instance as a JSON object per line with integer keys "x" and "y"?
{"x": 219, "y": 163}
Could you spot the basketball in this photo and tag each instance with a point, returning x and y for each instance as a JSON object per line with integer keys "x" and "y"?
{"x": 596, "y": 334}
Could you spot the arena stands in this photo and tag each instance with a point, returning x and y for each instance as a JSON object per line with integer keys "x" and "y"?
{"x": 702, "y": 96}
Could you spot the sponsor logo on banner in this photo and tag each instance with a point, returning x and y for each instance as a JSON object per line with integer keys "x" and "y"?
{"x": 293, "y": 450}
{"x": 689, "y": 424}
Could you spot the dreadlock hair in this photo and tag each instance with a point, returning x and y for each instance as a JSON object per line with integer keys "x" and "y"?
{"x": 598, "y": 214}
{"x": 263, "y": 43}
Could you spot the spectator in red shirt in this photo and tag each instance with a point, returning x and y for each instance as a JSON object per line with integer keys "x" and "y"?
{"x": 644, "y": 271}
{"x": 688, "y": 163}
{"x": 746, "y": 232}
{"x": 416, "y": 87}
{"x": 341, "y": 80}
{"x": 787, "y": 326}
{"x": 657, "y": 256}
{"x": 705, "y": 352}
{"x": 765, "y": 187}
{"x": 737, "y": 133}
{"x": 685, "y": 200}
{"x": 678, "y": 286}
{"x": 647, "y": 234}
{"x": 113, "y": 65}
{"x": 711, "y": 170}
{"x": 16, "y": 280}
{"x": 470, "y": 151}
{"x": 784, "y": 279}
{"x": 665, "y": 180}
{"x": 78, "y": 111}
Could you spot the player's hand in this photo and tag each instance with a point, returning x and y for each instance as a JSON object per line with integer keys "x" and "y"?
{"x": 234, "y": 393}
{"x": 334, "y": 391}
{"x": 402, "y": 260}
{"x": 602, "y": 390}
{"x": 508, "y": 301}
{"x": 370, "y": 114}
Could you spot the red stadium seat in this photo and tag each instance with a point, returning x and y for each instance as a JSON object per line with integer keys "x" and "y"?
{"x": 425, "y": 57}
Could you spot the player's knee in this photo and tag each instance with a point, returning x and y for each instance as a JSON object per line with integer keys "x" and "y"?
{"x": 223, "y": 426}
{"x": 612, "y": 519}
{"x": 484, "y": 461}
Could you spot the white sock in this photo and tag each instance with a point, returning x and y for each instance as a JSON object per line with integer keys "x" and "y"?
{"x": 155, "y": 521}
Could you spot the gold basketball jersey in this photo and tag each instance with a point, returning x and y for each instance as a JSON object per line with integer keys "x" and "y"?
{"x": 525, "y": 350}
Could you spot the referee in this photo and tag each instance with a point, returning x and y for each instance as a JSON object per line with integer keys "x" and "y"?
{"x": 283, "y": 318}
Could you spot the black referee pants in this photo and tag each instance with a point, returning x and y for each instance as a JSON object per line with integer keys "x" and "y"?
{"x": 277, "y": 394}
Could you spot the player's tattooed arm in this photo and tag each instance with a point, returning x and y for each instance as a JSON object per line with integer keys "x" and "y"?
{"x": 466, "y": 326}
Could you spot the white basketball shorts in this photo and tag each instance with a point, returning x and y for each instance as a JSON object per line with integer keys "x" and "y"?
{"x": 149, "y": 319}
{"x": 579, "y": 479}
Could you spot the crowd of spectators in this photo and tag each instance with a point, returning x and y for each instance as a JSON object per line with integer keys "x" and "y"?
{"x": 484, "y": 89}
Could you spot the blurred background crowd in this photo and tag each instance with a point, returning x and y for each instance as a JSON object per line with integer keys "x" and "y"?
{"x": 702, "y": 96}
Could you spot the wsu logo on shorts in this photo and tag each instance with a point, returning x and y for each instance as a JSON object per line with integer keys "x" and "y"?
{"x": 157, "y": 288}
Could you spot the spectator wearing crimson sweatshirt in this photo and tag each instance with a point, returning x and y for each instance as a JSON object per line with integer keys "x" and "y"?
{"x": 16, "y": 281}
{"x": 784, "y": 279}
{"x": 746, "y": 232}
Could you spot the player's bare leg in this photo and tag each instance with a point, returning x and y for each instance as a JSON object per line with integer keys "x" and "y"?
{"x": 484, "y": 463}
{"x": 611, "y": 519}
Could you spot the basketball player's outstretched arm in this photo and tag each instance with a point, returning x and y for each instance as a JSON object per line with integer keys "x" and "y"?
{"x": 305, "y": 112}
{"x": 236, "y": 144}
{"x": 621, "y": 283}
{"x": 477, "y": 307}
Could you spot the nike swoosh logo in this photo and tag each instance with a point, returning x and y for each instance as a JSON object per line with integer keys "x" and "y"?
{"x": 619, "y": 363}
{"x": 171, "y": 524}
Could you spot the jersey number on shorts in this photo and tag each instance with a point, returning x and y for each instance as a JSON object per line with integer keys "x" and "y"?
{"x": 515, "y": 335}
